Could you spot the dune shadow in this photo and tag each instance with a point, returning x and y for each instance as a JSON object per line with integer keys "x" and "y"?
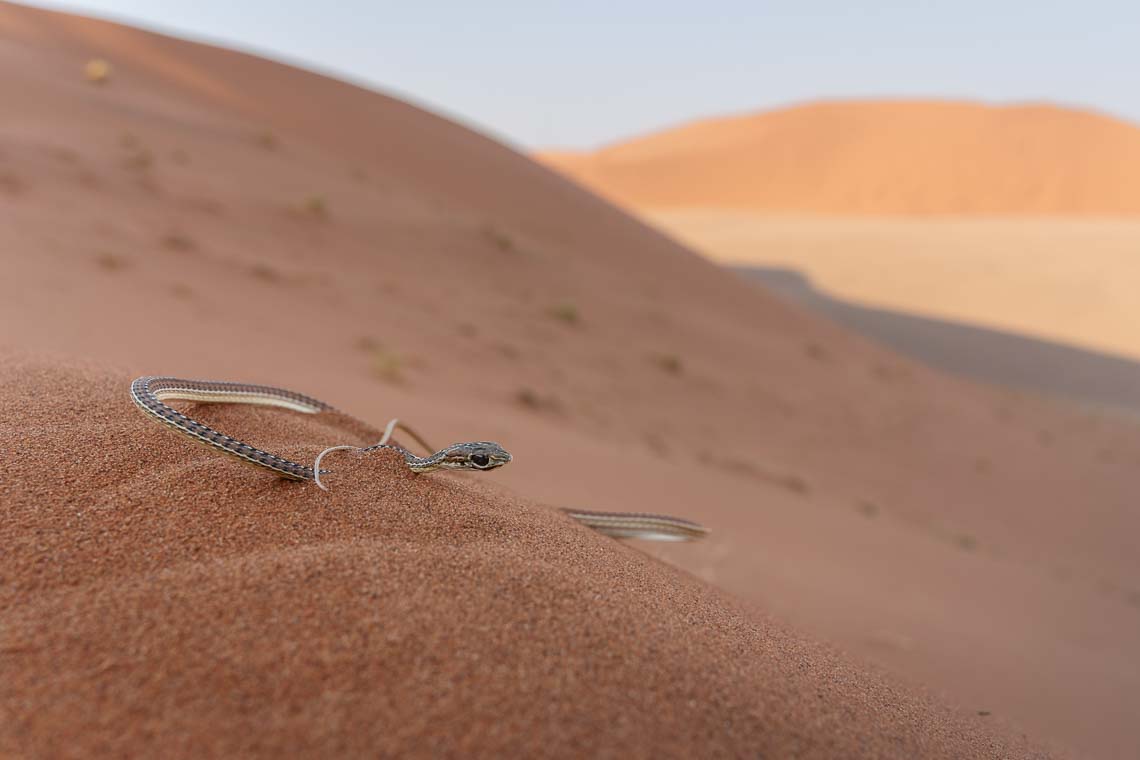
{"x": 991, "y": 355}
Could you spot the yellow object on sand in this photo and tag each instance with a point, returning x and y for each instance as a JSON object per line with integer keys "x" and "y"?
{"x": 97, "y": 71}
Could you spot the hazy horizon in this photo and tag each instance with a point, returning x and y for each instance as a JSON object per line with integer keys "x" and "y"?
{"x": 561, "y": 78}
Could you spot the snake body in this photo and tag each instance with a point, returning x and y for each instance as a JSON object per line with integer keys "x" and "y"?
{"x": 639, "y": 525}
{"x": 149, "y": 394}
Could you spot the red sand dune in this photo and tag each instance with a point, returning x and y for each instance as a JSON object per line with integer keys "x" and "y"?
{"x": 160, "y": 601}
{"x": 211, "y": 214}
{"x": 877, "y": 157}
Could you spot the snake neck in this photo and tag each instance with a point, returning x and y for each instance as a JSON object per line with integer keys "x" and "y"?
{"x": 415, "y": 463}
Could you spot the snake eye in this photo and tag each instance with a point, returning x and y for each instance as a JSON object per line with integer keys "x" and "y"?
{"x": 480, "y": 460}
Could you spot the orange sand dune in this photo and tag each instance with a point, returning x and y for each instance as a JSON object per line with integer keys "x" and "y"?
{"x": 208, "y": 213}
{"x": 878, "y": 157}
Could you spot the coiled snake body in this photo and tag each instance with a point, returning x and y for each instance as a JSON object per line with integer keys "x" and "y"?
{"x": 149, "y": 394}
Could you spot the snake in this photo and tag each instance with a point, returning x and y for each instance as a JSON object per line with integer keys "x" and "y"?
{"x": 149, "y": 393}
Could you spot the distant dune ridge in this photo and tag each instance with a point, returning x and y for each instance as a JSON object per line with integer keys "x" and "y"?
{"x": 877, "y": 157}
{"x": 209, "y": 213}
{"x": 1017, "y": 218}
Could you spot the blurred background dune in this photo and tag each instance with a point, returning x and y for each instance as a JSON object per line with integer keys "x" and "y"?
{"x": 1022, "y": 219}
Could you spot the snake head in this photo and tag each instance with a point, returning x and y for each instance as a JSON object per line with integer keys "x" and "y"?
{"x": 478, "y": 455}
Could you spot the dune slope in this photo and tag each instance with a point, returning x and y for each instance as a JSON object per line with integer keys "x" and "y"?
{"x": 210, "y": 214}
{"x": 155, "y": 599}
{"x": 877, "y": 157}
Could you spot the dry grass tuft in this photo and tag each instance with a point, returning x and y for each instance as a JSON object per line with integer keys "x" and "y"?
{"x": 499, "y": 239}
{"x": 507, "y": 350}
{"x": 816, "y": 352}
{"x": 177, "y": 241}
{"x": 670, "y": 363}
{"x": 793, "y": 483}
{"x": 385, "y": 364}
{"x": 267, "y": 140}
{"x": 111, "y": 262}
{"x": 315, "y": 207}
{"x": 97, "y": 71}
{"x": 529, "y": 398}
{"x": 266, "y": 273}
{"x": 139, "y": 161}
{"x": 966, "y": 542}
{"x": 567, "y": 313}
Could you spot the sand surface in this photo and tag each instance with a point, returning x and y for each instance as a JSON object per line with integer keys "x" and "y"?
{"x": 200, "y": 214}
{"x": 157, "y": 599}
{"x": 879, "y": 158}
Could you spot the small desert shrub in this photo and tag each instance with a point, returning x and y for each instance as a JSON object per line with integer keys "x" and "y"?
{"x": 315, "y": 206}
{"x": 266, "y": 139}
{"x": 385, "y": 364}
{"x": 499, "y": 239}
{"x": 815, "y": 351}
{"x": 177, "y": 241}
{"x": 528, "y": 397}
{"x": 867, "y": 508}
{"x": 657, "y": 444}
{"x": 565, "y": 312}
{"x": 793, "y": 483}
{"x": 508, "y": 350}
{"x": 531, "y": 399}
{"x": 139, "y": 161}
{"x": 966, "y": 542}
{"x": 365, "y": 343}
{"x": 670, "y": 363}
{"x": 265, "y": 272}
{"x": 110, "y": 262}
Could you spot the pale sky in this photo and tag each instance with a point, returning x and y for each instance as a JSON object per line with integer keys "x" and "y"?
{"x": 581, "y": 74}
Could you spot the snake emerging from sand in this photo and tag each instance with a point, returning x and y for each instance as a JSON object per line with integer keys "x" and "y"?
{"x": 150, "y": 393}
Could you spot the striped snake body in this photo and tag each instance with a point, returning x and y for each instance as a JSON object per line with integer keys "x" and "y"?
{"x": 640, "y": 525}
{"x": 150, "y": 393}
